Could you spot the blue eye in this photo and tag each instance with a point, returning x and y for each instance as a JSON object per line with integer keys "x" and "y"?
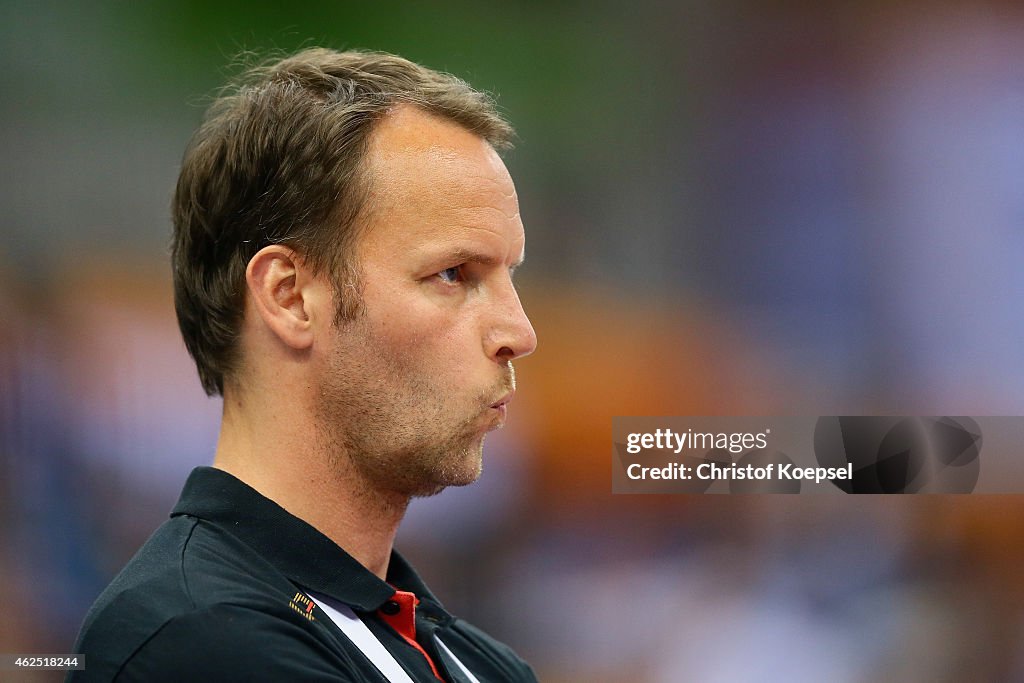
{"x": 451, "y": 275}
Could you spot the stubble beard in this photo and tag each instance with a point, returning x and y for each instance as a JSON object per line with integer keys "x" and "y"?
{"x": 392, "y": 458}
{"x": 381, "y": 418}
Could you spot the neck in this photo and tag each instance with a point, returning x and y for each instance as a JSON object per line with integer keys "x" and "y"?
{"x": 323, "y": 489}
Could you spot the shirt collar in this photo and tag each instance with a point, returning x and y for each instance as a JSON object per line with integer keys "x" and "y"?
{"x": 294, "y": 547}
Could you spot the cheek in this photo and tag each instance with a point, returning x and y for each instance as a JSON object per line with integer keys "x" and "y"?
{"x": 410, "y": 318}
{"x": 412, "y": 327}
{"x": 417, "y": 327}
{"x": 442, "y": 343}
{"x": 445, "y": 355}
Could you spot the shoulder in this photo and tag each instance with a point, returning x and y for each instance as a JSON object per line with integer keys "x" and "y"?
{"x": 189, "y": 582}
{"x": 233, "y": 643}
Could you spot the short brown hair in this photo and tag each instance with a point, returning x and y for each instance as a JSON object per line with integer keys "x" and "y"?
{"x": 278, "y": 159}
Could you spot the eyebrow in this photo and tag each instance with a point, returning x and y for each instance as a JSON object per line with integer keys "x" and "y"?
{"x": 470, "y": 256}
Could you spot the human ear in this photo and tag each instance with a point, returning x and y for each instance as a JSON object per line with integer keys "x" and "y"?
{"x": 277, "y": 281}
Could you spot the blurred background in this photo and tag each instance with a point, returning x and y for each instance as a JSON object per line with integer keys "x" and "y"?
{"x": 733, "y": 207}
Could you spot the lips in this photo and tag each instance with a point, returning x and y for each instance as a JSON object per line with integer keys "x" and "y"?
{"x": 501, "y": 402}
{"x": 500, "y": 409}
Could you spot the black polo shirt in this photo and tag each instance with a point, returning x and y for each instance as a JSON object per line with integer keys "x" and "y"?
{"x": 221, "y": 593}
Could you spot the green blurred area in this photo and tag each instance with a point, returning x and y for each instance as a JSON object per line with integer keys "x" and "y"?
{"x": 543, "y": 60}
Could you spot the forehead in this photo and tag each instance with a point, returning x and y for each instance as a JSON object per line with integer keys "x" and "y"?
{"x": 408, "y": 138}
{"x": 430, "y": 177}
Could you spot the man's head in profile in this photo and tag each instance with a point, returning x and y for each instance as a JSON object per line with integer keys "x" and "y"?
{"x": 345, "y": 236}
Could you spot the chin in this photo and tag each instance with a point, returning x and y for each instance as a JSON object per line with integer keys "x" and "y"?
{"x": 437, "y": 468}
{"x": 435, "y": 487}
{"x": 462, "y": 473}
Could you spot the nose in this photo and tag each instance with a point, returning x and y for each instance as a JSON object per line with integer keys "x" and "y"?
{"x": 510, "y": 334}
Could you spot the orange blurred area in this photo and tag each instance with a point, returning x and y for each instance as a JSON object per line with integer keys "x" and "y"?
{"x": 600, "y": 356}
